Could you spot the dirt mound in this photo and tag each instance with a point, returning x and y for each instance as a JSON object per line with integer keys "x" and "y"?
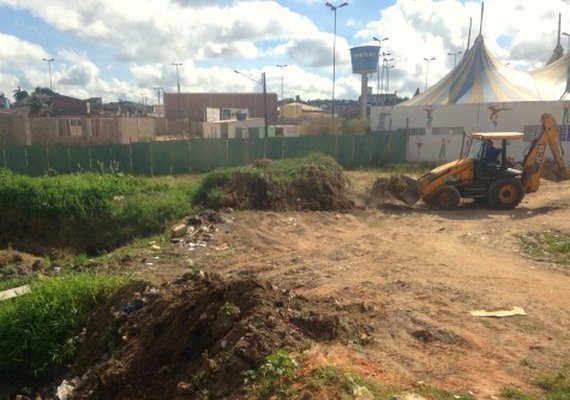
{"x": 191, "y": 338}
{"x": 315, "y": 182}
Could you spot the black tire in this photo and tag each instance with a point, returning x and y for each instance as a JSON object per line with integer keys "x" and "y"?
{"x": 445, "y": 198}
{"x": 505, "y": 193}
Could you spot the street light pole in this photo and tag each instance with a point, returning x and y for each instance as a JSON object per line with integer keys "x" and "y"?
{"x": 158, "y": 90}
{"x": 378, "y": 68}
{"x": 427, "y": 60}
{"x": 454, "y": 56}
{"x": 385, "y": 62}
{"x": 49, "y": 61}
{"x": 334, "y": 8}
{"x": 282, "y": 66}
{"x": 263, "y": 83}
{"x": 388, "y": 67}
{"x": 178, "y": 64}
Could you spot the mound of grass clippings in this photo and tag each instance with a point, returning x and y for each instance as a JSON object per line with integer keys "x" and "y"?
{"x": 315, "y": 182}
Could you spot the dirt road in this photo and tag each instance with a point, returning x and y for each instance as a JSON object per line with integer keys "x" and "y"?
{"x": 413, "y": 276}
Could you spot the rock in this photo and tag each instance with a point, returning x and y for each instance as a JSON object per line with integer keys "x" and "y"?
{"x": 362, "y": 393}
{"x": 178, "y": 230}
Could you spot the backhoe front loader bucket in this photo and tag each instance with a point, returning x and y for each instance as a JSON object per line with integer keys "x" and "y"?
{"x": 405, "y": 189}
{"x": 401, "y": 187}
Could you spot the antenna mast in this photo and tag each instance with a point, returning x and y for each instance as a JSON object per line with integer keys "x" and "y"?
{"x": 481, "y": 23}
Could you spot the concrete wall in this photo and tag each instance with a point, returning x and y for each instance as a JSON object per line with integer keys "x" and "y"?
{"x": 435, "y": 132}
{"x": 14, "y": 129}
{"x": 21, "y": 129}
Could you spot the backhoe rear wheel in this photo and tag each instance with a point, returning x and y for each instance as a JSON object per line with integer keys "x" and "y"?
{"x": 444, "y": 198}
{"x": 505, "y": 193}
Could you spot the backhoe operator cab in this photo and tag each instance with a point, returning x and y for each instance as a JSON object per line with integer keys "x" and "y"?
{"x": 488, "y": 150}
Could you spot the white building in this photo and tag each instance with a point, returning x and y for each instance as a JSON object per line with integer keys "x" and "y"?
{"x": 480, "y": 95}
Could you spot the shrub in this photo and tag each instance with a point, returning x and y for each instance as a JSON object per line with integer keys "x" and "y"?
{"x": 86, "y": 212}
{"x": 37, "y": 330}
{"x": 315, "y": 182}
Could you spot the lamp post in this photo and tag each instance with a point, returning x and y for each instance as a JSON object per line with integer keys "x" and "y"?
{"x": 158, "y": 90}
{"x": 334, "y": 8}
{"x": 385, "y": 62}
{"x": 427, "y": 60}
{"x": 568, "y": 46}
{"x": 454, "y": 56}
{"x": 178, "y": 64}
{"x": 282, "y": 66}
{"x": 263, "y": 84}
{"x": 388, "y": 67}
{"x": 49, "y": 61}
{"x": 378, "y": 68}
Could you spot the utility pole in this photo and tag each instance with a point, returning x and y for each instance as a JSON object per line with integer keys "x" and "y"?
{"x": 334, "y": 8}
{"x": 178, "y": 64}
{"x": 49, "y": 61}
{"x": 378, "y": 67}
{"x": 282, "y": 66}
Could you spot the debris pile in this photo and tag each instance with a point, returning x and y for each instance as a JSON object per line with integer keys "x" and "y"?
{"x": 197, "y": 230}
{"x": 189, "y": 338}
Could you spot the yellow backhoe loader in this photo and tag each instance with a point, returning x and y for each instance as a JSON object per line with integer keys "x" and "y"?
{"x": 483, "y": 173}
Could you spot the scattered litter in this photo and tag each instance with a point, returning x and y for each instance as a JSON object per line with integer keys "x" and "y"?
{"x": 65, "y": 390}
{"x": 15, "y": 292}
{"x": 499, "y": 313}
{"x": 155, "y": 247}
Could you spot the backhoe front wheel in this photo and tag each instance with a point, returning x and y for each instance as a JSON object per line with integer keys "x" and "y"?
{"x": 444, "y": 198}
{"x": 505, "y": 193}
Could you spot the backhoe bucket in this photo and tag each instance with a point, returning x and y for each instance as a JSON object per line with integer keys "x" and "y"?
{"x": 405, "y": 189}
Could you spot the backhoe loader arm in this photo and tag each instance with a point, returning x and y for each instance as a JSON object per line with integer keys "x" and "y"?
{"x": 533, "y": 162}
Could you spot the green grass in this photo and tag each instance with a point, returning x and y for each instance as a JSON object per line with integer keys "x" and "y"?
{"x": 88, "y": 212}
{"x": 553, "y": 245}
{"x": 37, "y": 330}
{"x": 273, "y": 378}
{"x": 314, "y": 182}
{"x": 11, "y": 283}
{"x": 344, "y": 383}
{"x": 553, "y": 387}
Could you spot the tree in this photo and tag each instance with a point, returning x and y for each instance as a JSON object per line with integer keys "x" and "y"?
{"x": 38, "y": 105}
{"x": 20, "y": 95}
{"x": 44, "y": 90}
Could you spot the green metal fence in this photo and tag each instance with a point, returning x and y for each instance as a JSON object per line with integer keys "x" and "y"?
{"x": 200, "y": 155}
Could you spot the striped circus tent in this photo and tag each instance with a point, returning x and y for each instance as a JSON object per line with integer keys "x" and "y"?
{"x": 479, "y": 78}
{"x": 553, "y": 80}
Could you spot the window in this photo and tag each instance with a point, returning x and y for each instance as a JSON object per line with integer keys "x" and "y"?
{"x": 69, "y": 127}
{"x": 532, "y": 131}
{"x": 415, "y": 131}
{"x": 454, "y": 130}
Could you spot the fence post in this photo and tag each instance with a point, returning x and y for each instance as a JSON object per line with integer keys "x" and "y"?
{"x": 150, "y": 158}
{"x": 353, "y": 150}
{"x": 131, "y": 155}
{"x": 47, "y": 155}
{"x": 26, "y": 158}
{"x": 170, "y": 157}
{"x": 336, "y": 148}
{"x": 227, "y": 163}
{"x": 189, "y": 158}
{"x": 4, "y": 152}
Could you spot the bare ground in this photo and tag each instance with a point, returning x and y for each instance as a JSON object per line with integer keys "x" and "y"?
{"x": 405, "y": 279}
{"x": 412, "y": 275}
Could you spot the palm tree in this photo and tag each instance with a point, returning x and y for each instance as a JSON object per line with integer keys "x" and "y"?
{"x": 20, "y": 95}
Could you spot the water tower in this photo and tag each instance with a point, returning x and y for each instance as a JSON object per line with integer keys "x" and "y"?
{"x": 364, "y": 61}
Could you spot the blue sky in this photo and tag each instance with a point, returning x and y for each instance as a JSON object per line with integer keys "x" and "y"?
{"x": 124, "y": 49}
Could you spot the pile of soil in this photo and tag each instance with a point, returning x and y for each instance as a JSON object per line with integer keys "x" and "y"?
{"x": 191, "y": 338}
{"x": 315, "y": 183}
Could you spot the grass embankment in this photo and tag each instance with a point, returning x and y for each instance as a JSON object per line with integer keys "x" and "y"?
{"x": 552, "y": 245}
{"x": 38, "y": 331}
{"x": 87, "y": 212}
{"x": 315, "y": 182}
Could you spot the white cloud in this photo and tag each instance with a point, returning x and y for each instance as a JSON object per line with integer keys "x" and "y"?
{"x": 211, "y": 37}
